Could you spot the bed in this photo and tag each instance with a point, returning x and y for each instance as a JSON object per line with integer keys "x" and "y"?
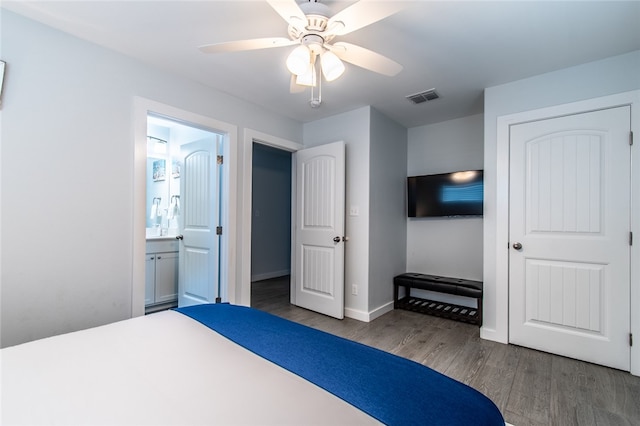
{"x": 224, "y": 364}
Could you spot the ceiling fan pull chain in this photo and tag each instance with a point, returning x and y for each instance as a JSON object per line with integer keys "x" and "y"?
{"x": 315, "y": 102}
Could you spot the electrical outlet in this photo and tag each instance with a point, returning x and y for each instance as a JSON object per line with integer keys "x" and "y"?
{"x": 354, "y": 289}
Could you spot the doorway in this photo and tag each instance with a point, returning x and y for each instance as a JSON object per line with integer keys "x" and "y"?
{"x": 271, "y": 223}
{"x": 251, "y": 138}
{"x": 197, "y": 126}
{"x": 324, "y": 211}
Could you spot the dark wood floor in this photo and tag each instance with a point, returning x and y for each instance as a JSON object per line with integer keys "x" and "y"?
{"x": 529, "y": 387}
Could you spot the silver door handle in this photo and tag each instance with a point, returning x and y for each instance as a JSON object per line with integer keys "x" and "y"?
{"x": 517, "y": 246}
{"x": 179, "y": 237}
{"x": 337, "y": 239}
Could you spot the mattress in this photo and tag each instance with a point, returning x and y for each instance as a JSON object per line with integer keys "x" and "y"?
{"x": 202, "y": 365}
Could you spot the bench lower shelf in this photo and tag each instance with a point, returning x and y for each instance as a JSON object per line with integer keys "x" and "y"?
{"x": 441, "y": 309}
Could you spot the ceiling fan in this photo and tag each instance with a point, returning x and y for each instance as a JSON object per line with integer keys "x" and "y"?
{"x": 313, "y": 29}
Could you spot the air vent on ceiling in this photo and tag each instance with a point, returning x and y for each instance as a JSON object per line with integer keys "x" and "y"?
{"x": 428, "y": 95}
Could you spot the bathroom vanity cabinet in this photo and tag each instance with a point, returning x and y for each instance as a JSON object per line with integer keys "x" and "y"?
{"x": 161, "y": 285}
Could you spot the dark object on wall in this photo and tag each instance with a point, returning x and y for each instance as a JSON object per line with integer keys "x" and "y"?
{"x": 446, "y": 194}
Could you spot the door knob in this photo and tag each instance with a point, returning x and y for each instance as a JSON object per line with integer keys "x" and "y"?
{"x": 179, "y": 237}
{"x": 517, "y": 246}
{"x": 336, "y": 239}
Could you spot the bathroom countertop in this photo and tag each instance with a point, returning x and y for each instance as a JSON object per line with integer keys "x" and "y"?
{"x": 169, "y": 234}
{"x": 163, "y": 237}
{"x": 162, "y": 244}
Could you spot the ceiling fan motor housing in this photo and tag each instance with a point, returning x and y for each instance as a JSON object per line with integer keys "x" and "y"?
{"x": 317, "y": 17}
{"x": 314, "y": 42}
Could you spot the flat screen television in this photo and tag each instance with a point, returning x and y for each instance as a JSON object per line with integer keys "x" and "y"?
{"x": 446, "y": 194}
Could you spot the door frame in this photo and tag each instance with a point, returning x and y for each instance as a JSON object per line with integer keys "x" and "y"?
{"x": 141, "y": 108}
{"x": 250, "y": 137}
{"x": 501, "y": 295}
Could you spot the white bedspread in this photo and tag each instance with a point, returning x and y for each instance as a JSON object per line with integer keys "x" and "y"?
{"x": 162, "y": 369}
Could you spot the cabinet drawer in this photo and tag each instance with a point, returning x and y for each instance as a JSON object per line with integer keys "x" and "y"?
{"x": 157, "y": 246}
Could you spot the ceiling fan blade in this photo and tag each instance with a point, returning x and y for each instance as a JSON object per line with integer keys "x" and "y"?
{"x": 251, "y": 44}
{"x": 365, "y": 58}
{"x": 290, "y": 12}
{"x": 361, "y": 14}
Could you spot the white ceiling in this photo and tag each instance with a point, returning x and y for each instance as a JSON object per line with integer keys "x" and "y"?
{"x": 458, "y": 48}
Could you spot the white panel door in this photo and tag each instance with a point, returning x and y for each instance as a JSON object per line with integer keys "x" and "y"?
{"x": 198, "y": 264}
{"x": 569, "y": 282}
{"x": 319, "y": 246}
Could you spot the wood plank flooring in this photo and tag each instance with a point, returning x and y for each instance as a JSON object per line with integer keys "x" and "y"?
{"x": 528, "y": 386}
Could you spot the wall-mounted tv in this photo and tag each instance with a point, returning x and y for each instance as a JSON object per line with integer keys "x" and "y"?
{"x": 446, "y": 194}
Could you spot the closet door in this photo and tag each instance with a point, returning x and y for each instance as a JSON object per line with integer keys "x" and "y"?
{"x": 569, "y": 259}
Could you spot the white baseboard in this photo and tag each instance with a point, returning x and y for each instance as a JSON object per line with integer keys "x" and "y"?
{"x": 269, "y": 275}
{"x": 493, "y": 335}
{"x": 380, "y": 311}
{"x": 368, "y": 316}
{"x": 356, "y": 314}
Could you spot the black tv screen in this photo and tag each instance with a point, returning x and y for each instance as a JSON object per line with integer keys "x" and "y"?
{"x": 446, "y": 194}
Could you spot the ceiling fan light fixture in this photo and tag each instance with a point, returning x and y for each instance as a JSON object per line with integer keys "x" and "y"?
{"x": 332, "y": 66}
{"x": 298, "y": 60}
{"x": 309, "y": 78}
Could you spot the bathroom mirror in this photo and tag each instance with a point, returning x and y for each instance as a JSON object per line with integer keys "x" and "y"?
{"x": 163, "y": 182}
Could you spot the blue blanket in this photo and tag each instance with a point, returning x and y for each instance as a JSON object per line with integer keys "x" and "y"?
{"x": 394, "y": 390}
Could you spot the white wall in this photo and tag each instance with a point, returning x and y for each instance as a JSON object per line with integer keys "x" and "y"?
{"x": 387, "y": 219}
{"x": 67, "y": 174}
{"x": 613, "y": 75}
{"x": 353, "y": 128}
{"x": 446, "y": 246}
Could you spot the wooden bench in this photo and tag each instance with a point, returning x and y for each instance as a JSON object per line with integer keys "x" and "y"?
{"x": 448, "y": 285}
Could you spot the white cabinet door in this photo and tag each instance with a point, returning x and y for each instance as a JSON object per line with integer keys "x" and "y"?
{"x": 166, "y": 288}
{"x": 150, "y": 279}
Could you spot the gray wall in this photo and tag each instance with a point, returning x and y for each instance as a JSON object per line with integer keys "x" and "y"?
{"x": 446, "y": 246}
{"x": 271, "y": 213}
{"x": 387, "y": 221}
{"x": 376, "y": 171}
{"x": 67, "y": 174}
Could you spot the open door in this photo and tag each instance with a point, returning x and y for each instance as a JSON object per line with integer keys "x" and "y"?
{"x": 198, "y": 280}
{"x": 320, "y": 216}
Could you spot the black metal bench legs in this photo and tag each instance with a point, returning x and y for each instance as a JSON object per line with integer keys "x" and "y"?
{"x": 447, "y": 285}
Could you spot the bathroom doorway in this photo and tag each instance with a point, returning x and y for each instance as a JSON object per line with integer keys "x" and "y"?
{"x": 183, "y": 212}
{"x": 183, "y": 193}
